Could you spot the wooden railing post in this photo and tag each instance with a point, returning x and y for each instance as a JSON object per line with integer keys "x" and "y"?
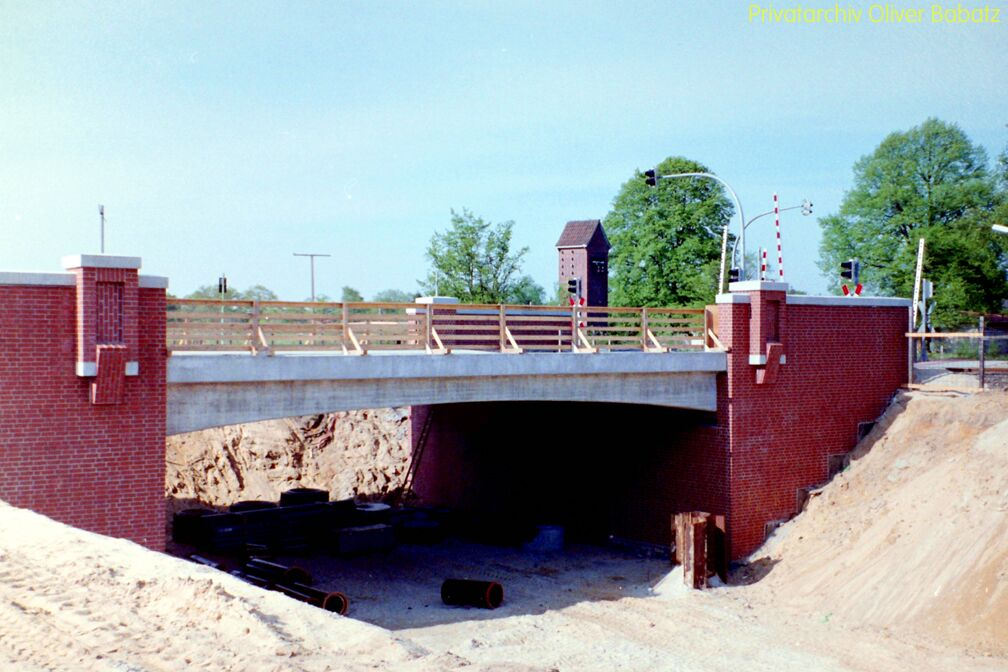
{"x": 346, "y": 326}
{"x": 254, "y": 325}
{"x": 501, "y": 328}
{"x": 428, "y": 325}
{"x": 983, "y": 354}
{"x": 574, "y": 326}
{"x": 643, "y": 329}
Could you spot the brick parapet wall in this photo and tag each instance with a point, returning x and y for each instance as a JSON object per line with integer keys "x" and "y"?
{"x": 749, "y": 460}
{"x": 843, "y": 364}
{"x": 98, "y": 467}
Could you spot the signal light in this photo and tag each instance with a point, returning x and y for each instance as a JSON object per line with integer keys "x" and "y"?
{"x": 574, "y": 286}
{"x": 222, "y": 284}
{"x": 733, "y": 274}
{"x": 650, "y": 178}
{"x": 850, "y": 270}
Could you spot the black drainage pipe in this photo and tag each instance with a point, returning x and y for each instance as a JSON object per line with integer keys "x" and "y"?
{"x": 274, "y": 572}
{"x": 336, "y": 602}
{"x": 465, "y": 592}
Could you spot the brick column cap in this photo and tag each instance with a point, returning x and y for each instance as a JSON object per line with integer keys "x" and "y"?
{"x": 758, "y": 286}
{"x": 73, "y": 261}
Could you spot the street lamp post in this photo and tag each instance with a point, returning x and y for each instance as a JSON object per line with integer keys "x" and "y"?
{"x": 311, "y": 256}
{"x": 651, "y": 179}
{"x": 806, "y": 208}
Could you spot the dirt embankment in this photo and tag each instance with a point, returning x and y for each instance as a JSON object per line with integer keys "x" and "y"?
{"x": 357, "y": 453}
{"x": 901, "y": 562}
{"x": 913, "y": 536}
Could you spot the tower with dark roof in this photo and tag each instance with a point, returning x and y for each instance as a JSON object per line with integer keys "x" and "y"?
{"x": 583, "y": 252}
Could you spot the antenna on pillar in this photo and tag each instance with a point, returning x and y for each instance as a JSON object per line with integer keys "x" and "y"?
{"x": 101, "y": 214}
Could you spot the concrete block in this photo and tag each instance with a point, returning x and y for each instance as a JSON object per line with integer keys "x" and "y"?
{"x": 365, "y": 539}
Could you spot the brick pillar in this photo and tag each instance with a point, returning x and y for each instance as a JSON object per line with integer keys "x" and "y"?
{"x": 802, "y": 373}
{"x": 107, "y": 308}
{"x": 82, "y": 396}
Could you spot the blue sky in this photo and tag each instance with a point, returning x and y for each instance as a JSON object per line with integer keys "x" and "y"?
{"x": 227, "y": 136}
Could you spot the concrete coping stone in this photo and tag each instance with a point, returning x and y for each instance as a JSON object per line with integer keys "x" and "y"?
{"x": 839, "y": 301}
{"x": 758, "y": 286}
{"x": 99, "y": 261}
{"x": 69, "y": 280}
{"x": 198, "y": 368}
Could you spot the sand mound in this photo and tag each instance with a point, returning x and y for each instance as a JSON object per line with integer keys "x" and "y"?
{"x": 357, "y": 453}
{"x": 914, "y": 534}
{"x": 73, "y": 600}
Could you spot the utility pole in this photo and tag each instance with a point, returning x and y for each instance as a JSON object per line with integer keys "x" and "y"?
{"x": 101, "y": 213}
{"x": 311, "y": 256}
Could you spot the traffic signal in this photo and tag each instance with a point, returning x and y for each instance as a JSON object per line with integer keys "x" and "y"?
{"x": 222, "y": 284}
{"x": 806, "y": 207}
{"x": 850, "y": 270}
{"x": 574, "y": 286}
{"x": 650, "y": 178}
{"x": 733, "y": 275}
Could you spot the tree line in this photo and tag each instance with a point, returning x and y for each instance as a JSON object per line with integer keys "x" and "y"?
{"x": 930, "y": 181}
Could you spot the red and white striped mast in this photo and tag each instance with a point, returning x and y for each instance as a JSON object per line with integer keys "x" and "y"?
{"x": 780, "y": 253}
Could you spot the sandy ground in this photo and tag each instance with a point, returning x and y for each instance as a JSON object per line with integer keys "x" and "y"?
{"x": 71, "y": 600}
{"x": 900, "y": 563}
{"x": 913, "y": 537}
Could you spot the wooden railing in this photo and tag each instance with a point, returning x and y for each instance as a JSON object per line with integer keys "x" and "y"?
{"x": 958, "y": 359}
{"x": 265, "y": 327}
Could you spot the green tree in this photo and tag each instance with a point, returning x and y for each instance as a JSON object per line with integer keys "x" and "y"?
{"x": 253, "y": 293}
{"x": 210, "y": 292}
{"x": 527, "y": 291}
{"x": 666, "y": 239}
{"x": 393, "y": 296}
{"x": 930, "y": 181}
{"x": 350, "y": 295}
{"x": 473, "y": 261}
{"x": 257, "y": 293}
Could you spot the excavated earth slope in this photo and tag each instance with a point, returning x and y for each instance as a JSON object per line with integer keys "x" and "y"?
{"x": 900, "y": 563}
{"x": 913, "y": 536}
{"x": 357, "y": 453}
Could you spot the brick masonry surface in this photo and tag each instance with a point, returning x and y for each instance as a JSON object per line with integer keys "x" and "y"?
{"x": 843, "y": 364}
{"x": 98, "y": 467}
{"x": 600, "y": 469}
{"x": 610, "y": 469}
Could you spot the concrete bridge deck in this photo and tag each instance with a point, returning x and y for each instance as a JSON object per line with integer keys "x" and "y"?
{"x": 210, "y": 390}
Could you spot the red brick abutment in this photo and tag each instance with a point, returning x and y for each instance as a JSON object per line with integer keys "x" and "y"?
{"x": 803, "y": 373}
{"x": 83, "y": 415}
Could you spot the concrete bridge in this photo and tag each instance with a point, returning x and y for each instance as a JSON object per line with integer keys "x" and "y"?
{"x": 307, "y": 357}
{"x": 751, "y": 400}
{"x": 210, "y": 391}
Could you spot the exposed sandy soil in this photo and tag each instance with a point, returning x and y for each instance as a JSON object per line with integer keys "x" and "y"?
{"x": 357, "y": 453}
{"x": 913, "y": 536}
{"x": 72, "y": 600}
{"x": 900, "y": 563}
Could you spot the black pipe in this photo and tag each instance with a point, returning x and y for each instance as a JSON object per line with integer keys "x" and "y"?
{"x": 274, "y": 572}
{"x": 252, "y": 579}
{"x": 333, "y": 601}
{"x": 205, "y": 561}
{"x": 465, "y": 592}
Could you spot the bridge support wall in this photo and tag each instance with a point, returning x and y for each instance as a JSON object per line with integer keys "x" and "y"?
{"x": 802, "y": 374}
{"x": 82, "y": 396}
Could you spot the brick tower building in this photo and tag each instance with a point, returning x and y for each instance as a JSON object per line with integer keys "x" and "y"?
{"x": 583, "y": 252}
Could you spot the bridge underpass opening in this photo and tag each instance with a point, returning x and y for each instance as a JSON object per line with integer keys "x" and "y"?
{"x": 601, "y": 471}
